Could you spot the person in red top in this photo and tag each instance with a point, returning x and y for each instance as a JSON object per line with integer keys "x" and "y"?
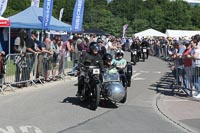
{"x": 187, "y": 61}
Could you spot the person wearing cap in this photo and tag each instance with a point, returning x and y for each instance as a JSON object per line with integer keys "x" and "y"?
{"x": 31, "y": 47}
{"x": 187, "y": 62}
{"x": 102, "y": 50}
{"x": 179, "y": 72}
{"x": 31, "y": 43}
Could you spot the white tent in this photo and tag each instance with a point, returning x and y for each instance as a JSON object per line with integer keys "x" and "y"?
{"x": 150, "y": 33}
{"x": 181, "y": 33}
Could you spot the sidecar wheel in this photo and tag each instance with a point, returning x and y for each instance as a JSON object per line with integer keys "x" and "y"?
{"x": 124, "y": 99}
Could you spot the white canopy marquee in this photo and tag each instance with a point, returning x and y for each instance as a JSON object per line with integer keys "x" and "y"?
{"x": 181, "y": 33}
{"x": 150, "y": 33}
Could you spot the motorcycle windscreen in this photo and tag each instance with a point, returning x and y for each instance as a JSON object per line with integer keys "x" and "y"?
{"x": 111, "y": 77}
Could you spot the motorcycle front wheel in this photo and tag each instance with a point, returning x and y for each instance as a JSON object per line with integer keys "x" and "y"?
{"x": 96, "y": 97}
{"x": 133, "y": 59}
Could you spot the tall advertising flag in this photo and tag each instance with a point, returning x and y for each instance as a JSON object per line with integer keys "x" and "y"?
{"x": 124, "y": 29}
{"x": 3, "y": 5}
{"x": 61, "y": 14}
{"x": 35, "y": 3}
{"x": 78, "y": 16}
{"x": 47, "y": 13}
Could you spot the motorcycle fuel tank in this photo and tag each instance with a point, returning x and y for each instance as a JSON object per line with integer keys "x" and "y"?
{"x": 115, "y": 91}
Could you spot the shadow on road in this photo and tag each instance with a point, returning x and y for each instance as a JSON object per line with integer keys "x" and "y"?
{"x": 85, "y": 104}
{"x": 167, "y": 86}
{"x": 75, "y": 101}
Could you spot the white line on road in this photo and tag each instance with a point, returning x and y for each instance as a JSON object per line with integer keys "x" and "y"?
{"x": 144, "y": 71}
{"x": 138, "y": 78}
{"x": 134, "y": 75}
{"x": 176, "y": 100}
{"x": 156, "y": 72}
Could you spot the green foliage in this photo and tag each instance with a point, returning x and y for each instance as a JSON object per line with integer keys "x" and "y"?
{"x": 110, "y": 17}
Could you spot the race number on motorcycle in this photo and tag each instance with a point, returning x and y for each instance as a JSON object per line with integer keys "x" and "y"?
{"x": 144, "y": 50}
{"x": 96, "y": 71}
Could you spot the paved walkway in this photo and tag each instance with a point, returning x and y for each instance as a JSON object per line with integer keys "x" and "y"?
{"x": 178, "y": 108}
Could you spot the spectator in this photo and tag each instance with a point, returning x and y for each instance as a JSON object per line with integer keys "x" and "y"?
{"x": 2, "y": 72}
{"x": 102, "y": 46}
{"x": 55, "y": 60}
{"x": 47, "y": 53}
{"x": 32, "y": 48}
{"x": 110, "y": 48}
{"x": 187, "y": 61}
{"x": 20, "y": 49}
{"x": 197, "y": 68}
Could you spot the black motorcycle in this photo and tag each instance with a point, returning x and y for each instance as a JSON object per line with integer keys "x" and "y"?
{"x": 144, "y": 53}
{"x": 134, "y": 56}
{"x": 90, "y": 83}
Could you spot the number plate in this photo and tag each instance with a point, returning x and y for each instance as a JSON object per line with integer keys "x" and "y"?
{"x": 134, "y": 52}
{"x": 96, "y": 71}
{"x": 144, "y": 50}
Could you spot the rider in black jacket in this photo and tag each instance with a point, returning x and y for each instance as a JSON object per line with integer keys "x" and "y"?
{"x": 92, "y": 58}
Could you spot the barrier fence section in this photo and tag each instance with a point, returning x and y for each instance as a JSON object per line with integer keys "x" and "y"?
{"x": 187, "y": 76}
{"x": 24, "y": 69}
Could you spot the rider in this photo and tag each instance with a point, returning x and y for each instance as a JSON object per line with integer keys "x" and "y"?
{"x": 107, "y": 61}
{"x": 121, "y": 63}
{"x": 135, "y": 46}
{"x": 92, "y": 58}
{"x": 145, "y": 44}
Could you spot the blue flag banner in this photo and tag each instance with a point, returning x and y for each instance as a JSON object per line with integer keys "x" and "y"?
{"x": 78, "y": 16}
{"x": 47, "y": 13}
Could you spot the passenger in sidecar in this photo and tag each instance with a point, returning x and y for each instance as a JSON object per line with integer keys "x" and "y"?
{"x": 120, "y": 66}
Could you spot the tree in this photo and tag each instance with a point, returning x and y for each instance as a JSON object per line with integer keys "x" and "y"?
{"x": 138, "y": 14}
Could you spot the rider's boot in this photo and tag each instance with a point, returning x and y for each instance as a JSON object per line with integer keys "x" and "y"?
{"x": 80, "y": 85}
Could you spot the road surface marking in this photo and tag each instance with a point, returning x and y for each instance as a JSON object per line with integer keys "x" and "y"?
{"x": 144, "y": 71}
{"x": 138, "y": 78}
{"x": 134, "y": 75}
{"x": 180, "y": 100}
{"x": 156, "y": 72}
{"x": 23, "y": 129}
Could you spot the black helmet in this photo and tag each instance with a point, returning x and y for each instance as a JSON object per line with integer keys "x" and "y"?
{"x": 120, "y": 53}
{"x": 93, "y": 46}
{"x": 107, "y": 57}
{"x": 99, "y": 40}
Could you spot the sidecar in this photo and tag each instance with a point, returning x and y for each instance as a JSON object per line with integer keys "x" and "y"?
{"x": 112, "y": 87}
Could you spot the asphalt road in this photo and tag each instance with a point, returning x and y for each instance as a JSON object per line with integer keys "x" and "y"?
{"x": 53, "y": 108}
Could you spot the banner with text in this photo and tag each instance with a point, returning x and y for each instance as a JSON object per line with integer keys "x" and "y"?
{"x": 47, "y": 13}
{"x": 35, "y": 3}
{"x": 3, "y": 5}
{"x": 78, "y": 16}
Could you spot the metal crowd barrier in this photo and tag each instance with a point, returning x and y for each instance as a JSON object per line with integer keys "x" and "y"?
{"x": 187, "y": 79}
{"x": 28, "y": 69}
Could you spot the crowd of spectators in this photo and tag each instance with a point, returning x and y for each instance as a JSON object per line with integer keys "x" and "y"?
{"x": 54, "y": 54}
